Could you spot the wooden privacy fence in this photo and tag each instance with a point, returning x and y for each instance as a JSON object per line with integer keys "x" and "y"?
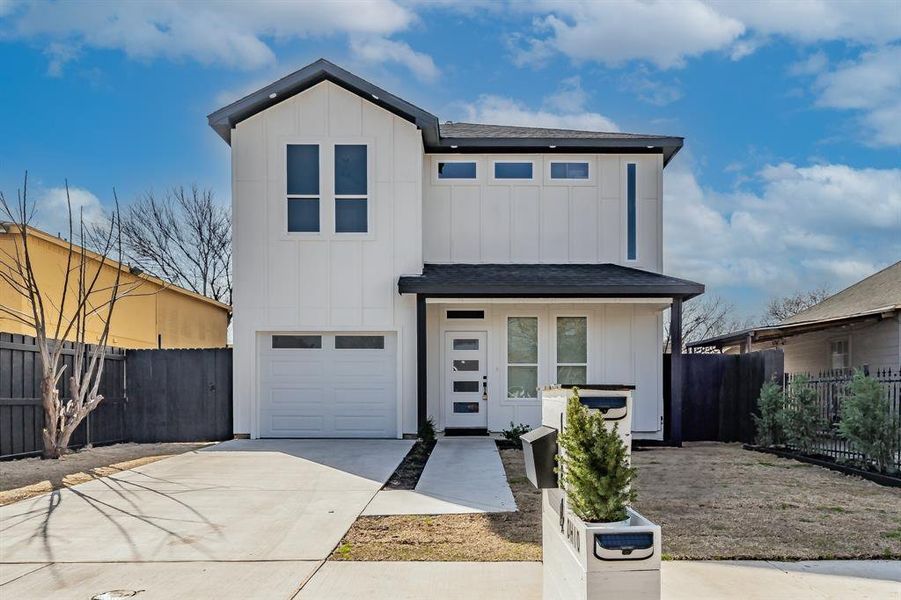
{"x": 149, "y": 396}
{"x": 720, "y": 391}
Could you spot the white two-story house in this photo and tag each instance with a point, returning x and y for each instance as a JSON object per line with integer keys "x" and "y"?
{"x": 389, "y": 268}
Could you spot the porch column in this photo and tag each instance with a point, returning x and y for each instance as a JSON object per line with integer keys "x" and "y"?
{"x": 421, "y": 384}
{"x": 675, "y": 336}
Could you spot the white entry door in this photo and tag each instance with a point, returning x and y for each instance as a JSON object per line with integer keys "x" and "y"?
{"x": 466, "y": 370}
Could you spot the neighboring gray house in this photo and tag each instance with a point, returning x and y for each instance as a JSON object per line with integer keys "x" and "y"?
{"x": 388, "y": 268}
{"x": 858, "y": 327}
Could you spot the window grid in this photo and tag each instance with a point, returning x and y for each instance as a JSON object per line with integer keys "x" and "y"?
{"x": 584, "y": 365}
{"x": 296, "y": 206}
{"x": 345, "y": 203}
{"x": 514, "y": 365}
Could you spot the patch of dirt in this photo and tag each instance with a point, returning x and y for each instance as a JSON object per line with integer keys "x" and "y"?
{"x": 27, "y": 477}
{"x": 407, "y": 474}
{"x": 719, "y": 501}
{"x": 514, "y": 536}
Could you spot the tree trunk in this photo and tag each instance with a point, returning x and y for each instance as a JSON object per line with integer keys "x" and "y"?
{"x": 50, "y": 401}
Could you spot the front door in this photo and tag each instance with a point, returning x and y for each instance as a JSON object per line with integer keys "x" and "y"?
{"x": 465, "y": 382}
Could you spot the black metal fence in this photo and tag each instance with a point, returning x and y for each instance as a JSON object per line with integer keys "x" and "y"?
{"x": 832, "y": 387}
{"x": 149, "y": 396}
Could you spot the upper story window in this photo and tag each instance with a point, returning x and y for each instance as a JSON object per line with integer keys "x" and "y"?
{"x": 513, "y": 170}
{"x": 839, "y": 354}
{"x": 631, "y": 214}
{"x": 351, "y": 189}
{"x": 457, "y": 170}
{"x": 303, "y": 188}
{"x": 569, "y": 170}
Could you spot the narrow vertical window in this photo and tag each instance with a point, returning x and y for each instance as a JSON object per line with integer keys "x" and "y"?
{"x": 522, "y": 357}
{"x": 631, "y": 209}
{"x": 303, "y": 188}
{"x": 572, "y": 350}
{"x": 351, "y": 189}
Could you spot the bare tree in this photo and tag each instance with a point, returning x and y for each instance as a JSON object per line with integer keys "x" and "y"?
{"x": 783, "y": 307}
{"x": 183, "y": 238}
{"x": 703, "y": 318}
{"x": 87, "y": 299}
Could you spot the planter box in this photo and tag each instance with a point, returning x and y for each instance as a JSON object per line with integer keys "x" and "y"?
{"x": 587, "y": 561}
{"x": 614, "y": 401}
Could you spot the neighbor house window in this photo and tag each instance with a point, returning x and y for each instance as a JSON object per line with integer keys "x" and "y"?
{"x": 840, "y": 354}
{"x": 303, "y": 188}
{"x": 631, "y": 216}
{"x": 351, "y": 189}
{"x": 572, "y": 350}
{"x": 513, "y": 170}
{"x": 522, "y": 357}
{"x": 569, "y": 170}
{"x": 456, "y": 170}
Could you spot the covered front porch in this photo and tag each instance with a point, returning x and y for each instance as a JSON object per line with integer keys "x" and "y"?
{"x": 488, "y": 336}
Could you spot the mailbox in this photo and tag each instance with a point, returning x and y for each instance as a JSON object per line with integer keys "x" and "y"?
{"x": 614, "y": 401}
{"x": 539, "y": 448}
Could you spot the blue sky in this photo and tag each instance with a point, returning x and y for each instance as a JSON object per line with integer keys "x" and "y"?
{"x": 790, "y": 177}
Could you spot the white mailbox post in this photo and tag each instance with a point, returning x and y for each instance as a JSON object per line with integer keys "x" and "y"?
{"x": 588, "y": 561}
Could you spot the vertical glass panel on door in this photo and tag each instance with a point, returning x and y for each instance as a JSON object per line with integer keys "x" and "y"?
{"x": 303, "y": 170}
{"x": 350, "y": 170}
{"x": 466, "y": 365}
{"x": 572, "y": 340}
{"x": 522, "y": 382}
{"x": 303, "y": 215}
{"x": 522, "y": 340}
{"x": 466, "y": 344}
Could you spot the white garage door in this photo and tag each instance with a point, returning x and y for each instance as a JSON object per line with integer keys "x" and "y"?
{"x": 328, "y": 385}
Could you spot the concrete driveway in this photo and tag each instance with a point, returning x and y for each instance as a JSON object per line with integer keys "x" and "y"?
{"x": 241, "y": 519}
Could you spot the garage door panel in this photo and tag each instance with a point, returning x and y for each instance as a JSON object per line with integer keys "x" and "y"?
{"x": 328, "y": 392}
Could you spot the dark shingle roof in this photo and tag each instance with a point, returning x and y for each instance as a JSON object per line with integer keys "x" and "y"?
{"x": 540, "y": 280}
{"x": 481, "y": 130}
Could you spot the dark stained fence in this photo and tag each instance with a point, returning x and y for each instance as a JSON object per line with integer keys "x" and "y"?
{"x": 21, "y": 412}
{"x": 179, "y": 395}
{"x": 720, "y": 391}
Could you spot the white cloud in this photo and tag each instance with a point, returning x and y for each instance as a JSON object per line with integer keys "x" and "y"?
{"x": 52, "y": 213}
{"x": 378, "y": 50}
{"x": 805, "y": 226}
{"x": 648, "y": 88}
{"x": 871, "y": 85}
{"x": 234, "y": 34}
{"x": 564, "y": 109}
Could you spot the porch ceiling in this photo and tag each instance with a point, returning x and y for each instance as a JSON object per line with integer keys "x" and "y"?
{"x": 545, "y": 281}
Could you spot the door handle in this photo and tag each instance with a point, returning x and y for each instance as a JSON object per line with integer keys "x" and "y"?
{"x": 485, "y": 388}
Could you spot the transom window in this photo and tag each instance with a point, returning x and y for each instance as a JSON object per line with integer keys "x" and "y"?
{"x": 839, "y": 353}
{"x": 569, "y": 170}
{"x": 512, "y": 170}
{"x": 457, "y": 170}
{"x": 351, "y": 189}
{"x": 572, "y": 350}
{"x": 522, "y": 357}
{"x": 303, "y": 188}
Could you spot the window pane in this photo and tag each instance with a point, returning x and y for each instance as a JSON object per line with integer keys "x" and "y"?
{"x": 466, "y": 407}
{"x": 466, "y": 365}
{"x": 466, "y": 344}
{"x": 569, "y": 170}
{"x": 572, "y": 340}
{"x": 513, "y": 170}
{"x": 522, "y": 382}
{"x": 350, "y": 170}
{"x": 297, "y": 341}
{"x": 303, "y": 214}
{"x": 466, "y": 314}
{"x": 456, "y": 170}
{"x": 466, "y": 386}
{"x": 351, "y": 215}
{"x": 359, "y": 342}
{"x": 522, "y": 340}
{"x": 631, "y": 210}
{"x": 571, "y": 375}
{"x": 303, "y": 170}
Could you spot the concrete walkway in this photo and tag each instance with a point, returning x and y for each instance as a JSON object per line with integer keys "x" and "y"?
{"x": 463, "y": 475}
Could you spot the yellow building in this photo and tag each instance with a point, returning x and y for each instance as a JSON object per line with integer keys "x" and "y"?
{"x": 155, "y": 315}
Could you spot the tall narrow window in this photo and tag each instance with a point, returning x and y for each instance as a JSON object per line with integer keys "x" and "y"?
{"x": 839, "y": 354}
{"x": 351, "y": 189}
{"x": 522, "y": 357}
{"x": 572, "y": 350}
{"x": 631, "y": 209}
{"x": 303, "y": 188}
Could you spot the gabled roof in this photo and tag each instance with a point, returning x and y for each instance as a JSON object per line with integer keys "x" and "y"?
{"x": 446, "y": 137}
{"x": 545, "y": 280}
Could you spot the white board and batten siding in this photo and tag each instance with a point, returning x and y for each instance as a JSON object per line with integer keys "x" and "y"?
{"x": 542, "y": 220}
{"x": 326, "y": 282}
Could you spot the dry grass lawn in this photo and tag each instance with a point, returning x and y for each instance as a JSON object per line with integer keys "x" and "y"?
{"x": 27, "y": 477}
{"x": 714, "y": 501}
{"x": 475, "y": 537}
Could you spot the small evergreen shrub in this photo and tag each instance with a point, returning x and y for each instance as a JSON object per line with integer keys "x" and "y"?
{"x": 594, "y": 466}
{"x": 769, "y": 424}
{"x": 802, "y": 421}
{"x": 867, "y": 421}
{"x": 512, "y": 434}
{"x": 426, "y": 431}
